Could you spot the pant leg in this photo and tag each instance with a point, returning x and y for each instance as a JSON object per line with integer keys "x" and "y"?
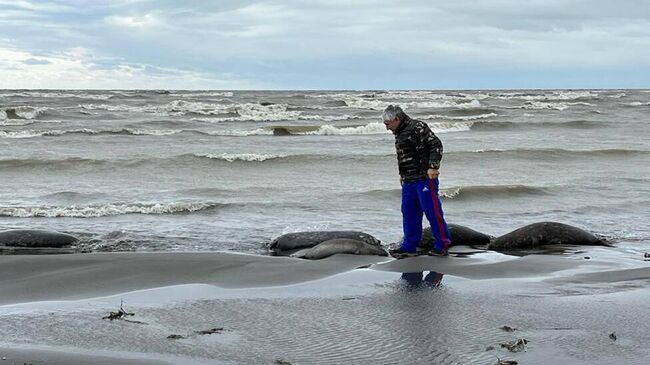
{"x": 432, "y": 207}
{"x": 411, "y": 217}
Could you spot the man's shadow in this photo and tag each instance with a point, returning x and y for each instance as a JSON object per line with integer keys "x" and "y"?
{"x": 419, "y": 280}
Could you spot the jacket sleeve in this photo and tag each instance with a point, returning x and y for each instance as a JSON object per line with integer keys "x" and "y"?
{"x": 432, "y": 144}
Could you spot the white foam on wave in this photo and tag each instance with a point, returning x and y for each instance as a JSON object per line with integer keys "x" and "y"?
{"x": 396, "y": 95}
{"x": 111, "y": 108}
{"x": 420, "y": 95}
{"x": 39, "y": 133}
{"x": 176, "y": 107}
{"x": 224, "y": 94}
{"x": 42, "y": 94}
{"x": 29, "y": 133}
{"x": 489, "y": 150}
{"x": 257, "y": 112}
{"x": 242, "y": 133}
{"x": 380, "y": 128}
{"x": 203, "y": 108}
{"x": 20, "y": 134}
{"x": 449, "y": 193}
{"x": 239, "y": 112}
{"x": 638, "y": 103}
{"x": 327, "y": 118}
{"x": 329, "y": 130}
{"x": 362, "y": 103}
{"x": 617, "y": 96}
{"x": 356, "y": 94}
{"x": 446, "y": 104}
{"x": 248, "y": 157}
{"x": 379, "y": 104}
{"x": 540, "y": 105}
{"x": 102, "y": 210}
{"x": 446, "y": 127}
{"x": 22, "y": 112}
{"x": 149, "y": 132}
{"x": 14, "y": 122}
{"x": 463, "y": 117}
{"x": 552, "y": 95}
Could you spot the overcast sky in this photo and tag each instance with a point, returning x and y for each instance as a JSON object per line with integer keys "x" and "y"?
{"x": 325, "y": 44}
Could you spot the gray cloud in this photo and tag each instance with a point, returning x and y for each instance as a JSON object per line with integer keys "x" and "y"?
{"x": 266, "y": 39}
{"x": 34, "y": 61}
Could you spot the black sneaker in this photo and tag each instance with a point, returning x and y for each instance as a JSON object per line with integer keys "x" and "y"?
{"x": 398, "y": 253}
{"x": 439, "y": 252}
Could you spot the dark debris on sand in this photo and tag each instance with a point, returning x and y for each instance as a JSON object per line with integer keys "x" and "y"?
{"x": 197, "y": 333}
{"x": 120, "y": 314}
{"x": 507, "y": 362}
{"x": 210, "y": 331}
{"x": 516, "y": 346}
{"x": 281, "y": 362}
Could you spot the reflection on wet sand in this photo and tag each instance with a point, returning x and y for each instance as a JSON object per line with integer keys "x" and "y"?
{"x": 418, "y": 279}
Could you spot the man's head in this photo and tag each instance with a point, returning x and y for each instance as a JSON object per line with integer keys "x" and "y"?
{"x": 393, "y": 116}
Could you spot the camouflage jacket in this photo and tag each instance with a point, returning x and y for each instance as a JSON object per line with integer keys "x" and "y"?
{"x": 418, "y": 149}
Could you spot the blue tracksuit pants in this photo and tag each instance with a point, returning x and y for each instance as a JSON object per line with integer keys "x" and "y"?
{"x": 420, "y": 197}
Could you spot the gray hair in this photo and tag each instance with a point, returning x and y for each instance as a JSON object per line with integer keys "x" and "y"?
{"x": 393, "y": 111}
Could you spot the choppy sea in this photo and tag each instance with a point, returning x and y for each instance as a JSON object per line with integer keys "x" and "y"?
{"x": 231, "y": 170}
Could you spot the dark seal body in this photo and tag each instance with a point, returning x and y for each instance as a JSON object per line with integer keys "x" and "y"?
{"x": 460, "y": 236}
{"x": 285, "y": 244}
{"x": 35, "y": 238}
{"x": 340, "y": 245}
{"x": 545, "y": 233}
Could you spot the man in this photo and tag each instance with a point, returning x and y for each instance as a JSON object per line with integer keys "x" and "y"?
{"x": 419, "y": 152}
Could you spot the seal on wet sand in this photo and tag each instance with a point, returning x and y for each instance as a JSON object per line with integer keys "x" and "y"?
{"x": 545, "y": 233}
{"x": 340, "y": 245}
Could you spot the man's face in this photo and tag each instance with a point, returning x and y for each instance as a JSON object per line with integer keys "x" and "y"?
{"x": 392, "y": 124}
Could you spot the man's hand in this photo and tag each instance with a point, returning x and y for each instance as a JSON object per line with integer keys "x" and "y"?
{"x": 433, "y": 173}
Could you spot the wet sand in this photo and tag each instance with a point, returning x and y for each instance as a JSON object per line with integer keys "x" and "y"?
{"x": 35, "y": 355}
{"x": 418, "y": 310}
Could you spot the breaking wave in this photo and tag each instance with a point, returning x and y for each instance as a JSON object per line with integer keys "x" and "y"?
{"x": 330, "y": 130}
{"x": 222, "y": 94}
{"x": 241, "y": 133}
{"x": 572, "y": 124}
{"x": 539, "y": 105}
{"x": 324, "y": 130}
{"x": 50, "y": 133}
{"x": 560, "y": 95}
{"x": 248, "y": 157}
{"x": 466, "y": 117}
{"x": 476, "y": 192}
{"x": 21, "y": 112}
{"x": 554, "y": 153}
{"x": 378, "y": 102}
{"x": 370, "y": 128}
{"x": 103, "y": 210}
{"x": 490, "y": 192}
{"x": 215, "y": 112}
{"x": 249, "y": 111}
{"x": 59, "y": 163}
{"x": 54, "y": 94}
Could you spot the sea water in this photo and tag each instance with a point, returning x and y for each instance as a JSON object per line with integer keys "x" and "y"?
{"x": 231, "y": 170}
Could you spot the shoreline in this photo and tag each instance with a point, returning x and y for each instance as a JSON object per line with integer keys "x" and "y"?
{"x": 326, "y": 311}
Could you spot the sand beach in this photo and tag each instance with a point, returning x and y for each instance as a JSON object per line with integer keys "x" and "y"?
{"x": 176, "y": 194}
{"x": 231, "y": 308}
